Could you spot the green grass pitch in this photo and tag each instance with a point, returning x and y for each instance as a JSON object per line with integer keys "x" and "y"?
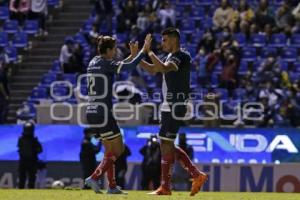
{"x": 11, "y": 194}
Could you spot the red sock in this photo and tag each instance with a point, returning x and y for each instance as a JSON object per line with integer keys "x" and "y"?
{"x": 186, "y": 163}
{"x": 111, "y": 176}
{"x": 106, "y": 163}
{"x": 167, "y": 162}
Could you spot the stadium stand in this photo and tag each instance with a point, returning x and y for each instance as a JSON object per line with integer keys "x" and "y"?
{"x": 255, "y": 49}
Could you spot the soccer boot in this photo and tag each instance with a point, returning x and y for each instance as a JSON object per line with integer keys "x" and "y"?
{"x": 198, "y": 183}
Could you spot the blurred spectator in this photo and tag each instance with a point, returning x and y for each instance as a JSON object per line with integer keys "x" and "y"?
{"x": 181, "y": 179}
{"x": 228, "y": 77}
{"x": 41, "y": 175}
{"x": 129, "y": 10}
{"x": 296, "y": 14}
{"x": 19, "y": 10}
{"x": 4, "y": 89}
{"x": 243, "y": 16}
{"x": 143, "y": 21}
{"x": 88, "y": 153}
{"x": 121, "y": 167}
{"x": 224, "y": 15}
{"x": 284, "y": 18}
{"x": 268, "y": 32}
{"x": 207, "y": 44}
{"x": 123, "y": 25}
{"x": 65, "y": 54}
{"x": 38, "y": 12}
{"x": 76, "y": 60}
{"x": 264, "y": 15}
{"x": 167, "y": 15}
{"x": 28, "y": 147}
{"x": 268, "y": 70}
{"x": 151, "y": 163}
{"x": 203, "y": 76}
{"x": 271, "y": 93}
{"x": 104, "y": 13}
{"x": 154, "y": 5}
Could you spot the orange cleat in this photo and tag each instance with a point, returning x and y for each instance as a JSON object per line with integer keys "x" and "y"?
{"x": 161, "y": 191}
{"x": 198, "y": 183}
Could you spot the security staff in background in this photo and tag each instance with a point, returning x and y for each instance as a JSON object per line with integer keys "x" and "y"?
{"x": 151, "y": 163}
{"x": 88, "y": 153}
{"x": 29, "y": 148}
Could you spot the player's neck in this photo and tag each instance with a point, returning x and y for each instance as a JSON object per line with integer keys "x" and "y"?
{"x": 106, "y": 57}
{"x": 175, "y": 49}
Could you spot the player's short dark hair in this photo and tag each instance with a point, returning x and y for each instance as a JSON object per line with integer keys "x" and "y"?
{"x": 104, "y": 43}
{"x": 172, "y": 32}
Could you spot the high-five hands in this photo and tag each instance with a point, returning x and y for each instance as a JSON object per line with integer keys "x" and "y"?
{"x": 134, "y": 48}
{"x": 147, "y": 44}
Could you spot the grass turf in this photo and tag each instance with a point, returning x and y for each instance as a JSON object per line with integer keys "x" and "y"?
{"x": 11, "y": 194}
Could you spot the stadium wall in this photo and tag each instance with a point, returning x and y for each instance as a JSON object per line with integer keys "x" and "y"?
{"x": 222, "y": 177}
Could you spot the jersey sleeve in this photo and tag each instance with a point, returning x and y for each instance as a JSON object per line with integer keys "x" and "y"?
{"x": 114, "y": 67}
{"x": 177, "y": 60}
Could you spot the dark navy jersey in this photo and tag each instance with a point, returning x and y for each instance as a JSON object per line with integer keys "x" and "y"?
{"x": 100, "y": 81}
{"x": 176, "y": 84}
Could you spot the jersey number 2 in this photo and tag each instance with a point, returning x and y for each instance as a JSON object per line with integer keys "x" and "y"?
{"x": 92, "y": 82}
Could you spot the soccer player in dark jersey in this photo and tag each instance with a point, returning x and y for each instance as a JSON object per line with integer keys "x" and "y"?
{"x": 176, "y": 85}
{"x": 100, "y": 74}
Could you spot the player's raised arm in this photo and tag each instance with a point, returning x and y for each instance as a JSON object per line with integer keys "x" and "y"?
{"x": 136, "y": 60}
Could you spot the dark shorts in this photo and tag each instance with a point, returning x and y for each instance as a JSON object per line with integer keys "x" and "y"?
{"x": 105, "y": 128}
{"x": 169, "y": 125}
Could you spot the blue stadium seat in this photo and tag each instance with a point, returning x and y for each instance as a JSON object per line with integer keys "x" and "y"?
{"x": 257, "y": 40}
{"x": 289, "y": 54}
{"x": 294, "y": 77}
{"x": 218, "y": 68}
{"x": 223, "y": 93}
{"x": 249, "y": 53}
{"x": 3, "y": 39}
{"x": 56, "y": 67}
{"x": 192, "y": 50}
{"x": 12, "y": 53}
{"x": 266, "y": 51}
{"x": 295, "y": 40}
{"x": 72, "y": 101}
{"x": 278, "y": 40}
{"x": 243, "y": 67}
{"x": 87, "y": 26}
{"x": 198, "y": 12}
{"x": 122, "y": 37}
{"x": 39, "y": 93}
{"x": 297, "y": 67}
{"x": 4, "y": 13}
{"x": 31, "y": 27}
{"x": 283, "y": 65}
{"x": 11, "y": 26}
{"x": 84, "y": 90}
{"x": 239, "y": 93}
{"x": 72, "y": 78}
{"x": 214, "y": 80}
{"x": 60, "y": 92}
{"x": 208, "y": 23}
{"x": 48, "y": 79}
{"x": 229, "y": 108}
{"x": 187, "y": 24}
{"x": 53, "y": 3}
{"x": 240, "y": 38}
{"x": 80, "y": 38}
{"x": 24, "y": 116}
{"x": 20, "y": 40}
{"x": 205, "y": 2}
